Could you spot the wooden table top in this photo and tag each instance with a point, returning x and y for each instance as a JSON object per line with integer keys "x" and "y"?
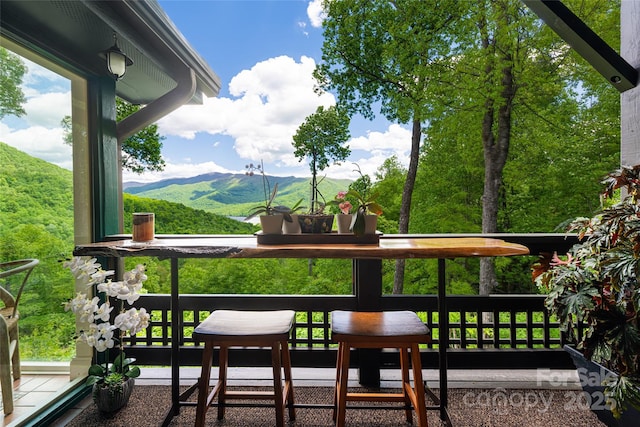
{"x": 246, "y": 246}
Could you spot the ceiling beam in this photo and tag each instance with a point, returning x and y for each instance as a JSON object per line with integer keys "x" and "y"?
{"x": 587, "y": 43}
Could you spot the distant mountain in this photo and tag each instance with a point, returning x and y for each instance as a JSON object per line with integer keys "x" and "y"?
{"x": 232, "y": 194}
{"x": 33, "y": 191}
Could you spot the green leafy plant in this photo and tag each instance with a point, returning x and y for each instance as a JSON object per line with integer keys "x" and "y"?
{"x": 596, "y": 283}
{"x": 101, "y": 333}
{"x": 268, "y": 207}
{"x": 288, "y": 211}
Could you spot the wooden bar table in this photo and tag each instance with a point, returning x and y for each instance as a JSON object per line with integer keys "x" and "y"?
{"x": 367, "y": 272}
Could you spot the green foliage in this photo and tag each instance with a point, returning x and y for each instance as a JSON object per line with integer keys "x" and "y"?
{"x": 12, "y": 71}
{"x": 597, "y": 284}
{"x": 174, "y": 218}
{"x": 112, "y": 375}
{"x": 319, "y": 139}
{"x": 141, "y": 152}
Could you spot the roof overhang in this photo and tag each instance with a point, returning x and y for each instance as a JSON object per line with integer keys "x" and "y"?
{"x": 75, "y": 34}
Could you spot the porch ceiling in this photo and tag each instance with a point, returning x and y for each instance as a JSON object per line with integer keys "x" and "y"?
{"x": 75, "y": 34}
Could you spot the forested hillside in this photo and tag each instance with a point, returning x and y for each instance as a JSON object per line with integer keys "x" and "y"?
{"x": 36, "y": 221}
{"x": 175, "y": 218}
{"x": 233, "y": 194}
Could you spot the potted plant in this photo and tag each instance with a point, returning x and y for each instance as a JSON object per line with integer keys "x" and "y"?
{"x": 365, "y": 217}
{"x": 112, "y": 381}
{"x": 271, "y": 216}
{"x": 344, "y": 217}
{"x": 291, "y": 225}
{"x": 316, "y": 220}
{"x": 320, "y": 139}
{"x": 597, "y": 284}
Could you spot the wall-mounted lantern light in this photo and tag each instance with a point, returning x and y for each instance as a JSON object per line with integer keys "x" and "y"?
{"x": 117, "y": 61}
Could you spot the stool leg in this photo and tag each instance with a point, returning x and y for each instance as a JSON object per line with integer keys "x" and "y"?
{"x": 277, "y": 382}
{"x": 406, "y": 383}
{"x": 342, "y": 384}
{"x": 334, "y": 413}
{"x": 222, "y": 380}
{"x": 203, "y": 386}
{"x": 288, "y": 380}
{"x": 420, "y": 404}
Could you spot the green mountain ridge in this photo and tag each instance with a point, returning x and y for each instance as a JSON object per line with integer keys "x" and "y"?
{"x": 233, "y": 194}
{"x": 39, "y": 194}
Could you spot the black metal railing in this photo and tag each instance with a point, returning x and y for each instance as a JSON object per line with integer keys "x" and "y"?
{"x": 494, "y": 331}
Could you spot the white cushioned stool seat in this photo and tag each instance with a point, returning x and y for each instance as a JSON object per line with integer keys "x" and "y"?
{"x": 227, "y": 328}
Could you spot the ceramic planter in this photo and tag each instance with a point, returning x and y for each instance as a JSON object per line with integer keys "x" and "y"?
{"x": 591, "y": 375}
{"x": 292, "y": 227}
{"x": 109, "y": 401}
{"x": 315, "y": 223}
{"x": 344, "y": 223}
{"x": 370, "y": 224}
{"x": 272, "y": 224}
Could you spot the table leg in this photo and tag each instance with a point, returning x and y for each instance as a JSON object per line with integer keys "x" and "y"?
{"x": 176, "y": 331}
{"x": 443, "y": 339}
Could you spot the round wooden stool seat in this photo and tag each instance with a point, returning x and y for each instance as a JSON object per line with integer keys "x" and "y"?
{"x": 388, "y": 329}
{"x": 229, "y": 328}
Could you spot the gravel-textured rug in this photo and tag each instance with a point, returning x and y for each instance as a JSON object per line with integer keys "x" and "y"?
{"x": 467, "y": 407}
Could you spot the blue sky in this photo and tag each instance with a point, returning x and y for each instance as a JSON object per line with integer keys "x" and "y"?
{"x": 264, "y": 53}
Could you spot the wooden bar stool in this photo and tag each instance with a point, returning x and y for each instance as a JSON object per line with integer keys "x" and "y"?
{"x": 388, "y": 329}
{"x": 227, "y": 328}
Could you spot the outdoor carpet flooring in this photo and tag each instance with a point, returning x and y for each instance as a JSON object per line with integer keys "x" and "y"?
{"x": 467, "y": 407}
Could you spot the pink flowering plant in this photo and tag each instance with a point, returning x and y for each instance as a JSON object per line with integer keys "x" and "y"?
{"x": 343, "y": 204}
{"x": 365, "y": 205}
{"x": 594, "y": 291}
{"x": 97, "y": 312}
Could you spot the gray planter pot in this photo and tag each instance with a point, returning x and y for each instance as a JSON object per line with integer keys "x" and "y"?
{"x": 591, "y": 375}
{"x": 109, "y": 402}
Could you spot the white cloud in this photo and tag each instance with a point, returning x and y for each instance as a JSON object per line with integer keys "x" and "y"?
{"x": 315, "y": 13}
{"x": 269, "y": 103}
{"x": 40, "y": 142}
{"x": 371, "y": 150}
{"x": 177, "y": 170}
{"x": 48, "y": 109}
{"x": 38, "y": 133}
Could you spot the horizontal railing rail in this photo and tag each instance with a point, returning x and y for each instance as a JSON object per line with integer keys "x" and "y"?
{"x": 493, "y": 331}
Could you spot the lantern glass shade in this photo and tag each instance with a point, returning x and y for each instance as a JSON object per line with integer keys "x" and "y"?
{"x": 116, "y": 63}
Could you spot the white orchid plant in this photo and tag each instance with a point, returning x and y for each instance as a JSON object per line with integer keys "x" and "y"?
{"x": 97, "y": 311}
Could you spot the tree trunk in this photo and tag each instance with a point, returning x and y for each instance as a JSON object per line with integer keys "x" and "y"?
{"x": 405, "y": 207}
{"x": 495, "y": 142}
{"x": 496, "y": 149}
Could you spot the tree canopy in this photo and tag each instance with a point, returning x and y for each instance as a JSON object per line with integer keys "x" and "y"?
{"x": 12, "y": 71}
{"x": 320, "y": 139}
